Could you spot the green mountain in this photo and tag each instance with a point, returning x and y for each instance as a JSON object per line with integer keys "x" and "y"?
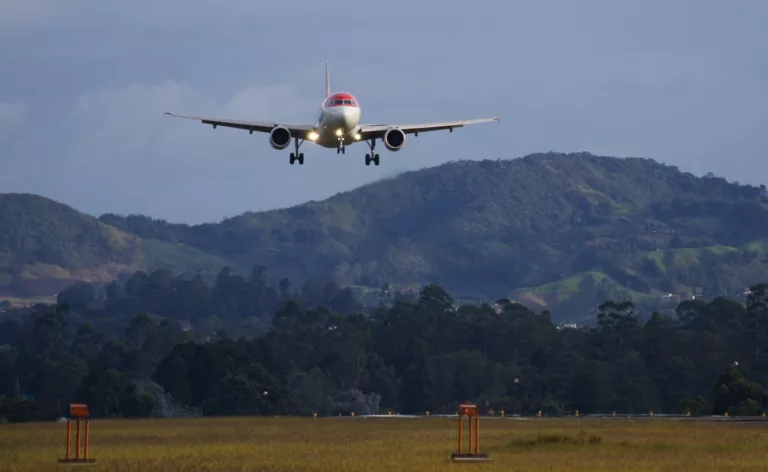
{"x": 46, "y": 246}
{"x": 561, "y": 231}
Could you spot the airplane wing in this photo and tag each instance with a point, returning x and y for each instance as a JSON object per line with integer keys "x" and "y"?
{"x": 377, "y": 131}
{"x": 261, "y": 126}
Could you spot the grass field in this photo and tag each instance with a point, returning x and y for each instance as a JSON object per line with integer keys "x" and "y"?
{"x": 393, "y": 444}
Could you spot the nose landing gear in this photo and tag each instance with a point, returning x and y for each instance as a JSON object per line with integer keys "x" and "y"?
{"x": 340, "y": 148}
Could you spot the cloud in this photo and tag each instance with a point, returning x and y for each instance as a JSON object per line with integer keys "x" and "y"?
{"x": 128, "y": 127}
{"x": 12, "y": 115}
{"x": 115, "y": 125}
{"x": 123, "y": 136}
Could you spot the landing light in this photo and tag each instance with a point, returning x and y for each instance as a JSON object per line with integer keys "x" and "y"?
{"x": 313, "y": 135}
{"x": 357, "y": 136}
{"x": 338, "y": 132}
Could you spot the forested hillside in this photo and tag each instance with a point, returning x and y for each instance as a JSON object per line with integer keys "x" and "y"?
{"x": 555, "y": 231}
{"x": 46, "y": 246}
{"x": 51, "y": 244}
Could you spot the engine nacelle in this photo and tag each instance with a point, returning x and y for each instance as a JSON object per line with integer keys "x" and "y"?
{"x": 394, "y": 139}
{"x": 279, "y": 137}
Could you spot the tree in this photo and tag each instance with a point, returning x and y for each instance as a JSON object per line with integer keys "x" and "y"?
{"x": 735, "y": 394}
{"x": 695, "y": 406}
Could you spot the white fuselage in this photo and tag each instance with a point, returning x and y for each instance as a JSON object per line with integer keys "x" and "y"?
{"x": 338, "y": 121}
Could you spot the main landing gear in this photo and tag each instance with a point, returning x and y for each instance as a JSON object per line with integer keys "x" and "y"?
{"x": 296, "y": 156}
{"x": 371, "y": 157}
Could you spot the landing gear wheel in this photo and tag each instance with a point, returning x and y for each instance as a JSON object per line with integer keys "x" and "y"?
{"x": 372, "y": 157}
{"x": 297, "y": 156}
{"x": 341, "y": 150}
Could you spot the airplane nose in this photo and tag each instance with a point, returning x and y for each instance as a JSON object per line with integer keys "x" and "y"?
{"x": 349, "y": 116}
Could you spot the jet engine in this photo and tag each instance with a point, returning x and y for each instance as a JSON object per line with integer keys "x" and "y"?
{"x": 279, "y": 137}
{"x": 394, "y": 139}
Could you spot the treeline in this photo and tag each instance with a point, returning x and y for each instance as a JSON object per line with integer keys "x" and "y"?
{"x": 230, "y": 302}
{"x": 411, "y": 357}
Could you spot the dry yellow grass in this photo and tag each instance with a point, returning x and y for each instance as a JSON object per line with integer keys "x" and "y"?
{"x": 393, "y": 444}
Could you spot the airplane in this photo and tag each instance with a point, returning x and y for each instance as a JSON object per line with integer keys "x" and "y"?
{"x": 337, "y": 125}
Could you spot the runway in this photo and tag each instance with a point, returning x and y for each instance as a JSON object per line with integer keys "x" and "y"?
{"x": 606, "y": 417}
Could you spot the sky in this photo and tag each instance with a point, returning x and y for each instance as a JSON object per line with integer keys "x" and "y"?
{"x": 84, "y": 85}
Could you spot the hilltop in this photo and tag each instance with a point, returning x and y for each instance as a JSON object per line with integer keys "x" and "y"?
{"x": 558, "y": 231}
{"x": 46, "y": 246}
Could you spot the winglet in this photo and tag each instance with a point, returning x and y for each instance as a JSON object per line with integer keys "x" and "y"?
{"x": 327, "y": 81}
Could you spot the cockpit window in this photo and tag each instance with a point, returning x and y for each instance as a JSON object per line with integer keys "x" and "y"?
{"x": 338, "y": 101}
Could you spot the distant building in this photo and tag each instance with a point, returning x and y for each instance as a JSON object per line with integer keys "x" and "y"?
{"x": 568, "y": 326}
